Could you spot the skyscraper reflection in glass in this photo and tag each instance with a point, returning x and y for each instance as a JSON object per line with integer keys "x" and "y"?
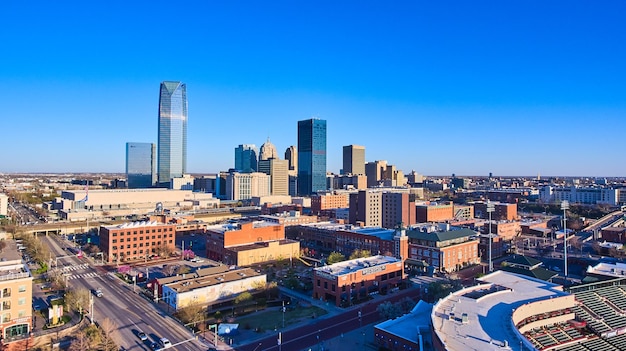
{"x": 172, "y": 145}
{"x": 140, "y": 165}
{"x": 311, "y": 156}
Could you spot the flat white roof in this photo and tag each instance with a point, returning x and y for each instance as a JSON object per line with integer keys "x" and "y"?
{"x": 351, "y": 266}
{"x": 617, "y": 270}
{"x": 489, "y": 318}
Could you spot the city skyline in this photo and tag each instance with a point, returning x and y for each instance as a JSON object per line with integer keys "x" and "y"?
{"x": 469, "y": 89}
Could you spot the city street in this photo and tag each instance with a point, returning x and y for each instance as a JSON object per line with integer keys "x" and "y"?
{"x": 128, "y": 310}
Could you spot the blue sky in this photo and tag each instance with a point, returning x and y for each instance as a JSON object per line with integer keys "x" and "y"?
{"x": 513, "y": 88}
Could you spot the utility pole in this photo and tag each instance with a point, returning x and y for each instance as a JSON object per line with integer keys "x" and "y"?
{"x": 490, "y": 209}
{"x": 565, "y": 207}
{"x": 91, "y": 308}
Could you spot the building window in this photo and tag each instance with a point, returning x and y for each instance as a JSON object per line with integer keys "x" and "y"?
{"x": 318, "y": 282}
{"x": 21, "y": 301}
{"x": 6, "y": 292}
{"x": 21, "y": 288}
{"x": 6, "y": 317}
{"x": 21, "y": 314}
{"x": 114, "y": 241}
{"x": 6, "y": 305}
{"x": 332, "y": 287}
{"x": 325, "y": 285}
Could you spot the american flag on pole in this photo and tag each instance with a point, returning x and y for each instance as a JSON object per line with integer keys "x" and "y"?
{"x": 86, "y": 194}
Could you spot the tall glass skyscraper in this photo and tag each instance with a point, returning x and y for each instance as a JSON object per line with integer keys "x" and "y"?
{"x": 311, "y": 156}
{"x": 246, "y": 158}
{"x": 140, "y": 165}
{"x": 172, "y": 148}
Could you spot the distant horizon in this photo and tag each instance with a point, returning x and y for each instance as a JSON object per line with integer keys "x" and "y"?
{"x": 439, "y": 88}
{"x": 425, "y": 175}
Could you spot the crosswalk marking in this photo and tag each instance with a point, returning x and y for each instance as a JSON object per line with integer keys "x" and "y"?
{"x": 74, "y": 268}
{"x": 84, "y": 275}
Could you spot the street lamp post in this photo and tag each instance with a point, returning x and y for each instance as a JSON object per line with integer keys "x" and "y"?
{"x": 360, "y": 319}
{"x": 284, "y": 314}
{"x": 565, "y": 207}
{"x": 490, "y": 209}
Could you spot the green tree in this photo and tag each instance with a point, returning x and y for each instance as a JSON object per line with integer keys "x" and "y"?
{"x": 360, "y": 254}
{"x": 243, "y": 298}
{"x": 335, "y": 257}
{"x": 183, "y": 269}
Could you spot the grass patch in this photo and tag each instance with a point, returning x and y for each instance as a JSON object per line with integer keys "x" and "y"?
{"x": 273, "y": 318}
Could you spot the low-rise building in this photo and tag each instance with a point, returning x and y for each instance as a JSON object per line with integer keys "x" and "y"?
{"x": 445, "y": 251}
{"x": 210, "y": 288}
{"x": 136, "y": 240}
{"x": 249, "y": 243}
{"x": 434, "y": 212}
{"x": 347, "y": 282}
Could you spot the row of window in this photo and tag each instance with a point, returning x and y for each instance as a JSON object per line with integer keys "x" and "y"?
{"x": 135, "y": 246}
{"x": 158, "y": 230}
{"x": 353, "y": 286}
{"x": 6, "y": 292}
{"x": 154, "y": 237}
{"x": 6, "y": 317}
{"x": 6, "y": 305}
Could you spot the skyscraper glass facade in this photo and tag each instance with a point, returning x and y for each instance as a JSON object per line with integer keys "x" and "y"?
{"x": 246, "y": 158}
{"x": 311, "y": 156}
{"x": 140, "y": 165}
{"x": 172, "y": 148}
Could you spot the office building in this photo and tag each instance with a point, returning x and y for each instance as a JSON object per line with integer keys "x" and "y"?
{"x": 245, "y": 186}
{"x": 311, "y": 156}
{"x": 268, "y": 151}
{"x": 291, "y": 155}
{"x": 140, "y": 165}
{"x": 172, "y": 148}
{"x": 354, "y": 159}
{"x": 444, "y": 251}
{"x": 375, "y": 172}
{"x": 246, "y": 158}
{"x": 434, "y": 212}
{"x": 182, "y": 183}
{"x": 350, "y": 282}
{"x": 387, "y": 209}
{"x": 136, "y": 241}
{"x": 248, "y": 243}
{"x": 502, "y": 211}
{"x": 278, "y": 170}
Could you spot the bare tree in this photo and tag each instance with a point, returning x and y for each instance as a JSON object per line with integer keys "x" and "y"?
{"x": 80, "y": 342}
{"x": 170, "y": 269}
{"x": 77, "y": 299}
{"x": 107, "y": 326}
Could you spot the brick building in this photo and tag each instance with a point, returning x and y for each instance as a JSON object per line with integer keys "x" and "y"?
{"x": 326, "y": 237}
{"x": 506, "y": 229}
{"x": 348, "y": 282}
{"x": 434, "y": 212}
{"x": 136, "y": 240}
{"x": 387, "y": 209}
{"x": 329, "y": 201}
{"x": 446, "y": 251}
{"x": 502, "y": 211}
{"x": 249, "y": 243}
